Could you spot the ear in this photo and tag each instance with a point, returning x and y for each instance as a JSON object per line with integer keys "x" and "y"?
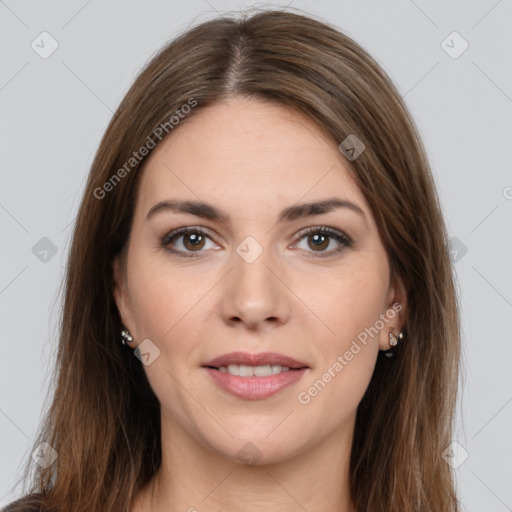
{"x": 121, "y": 296}
{"x": 395, "y": 313}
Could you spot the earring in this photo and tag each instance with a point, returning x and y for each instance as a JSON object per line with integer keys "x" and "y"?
{"x": 393, "y": 340}
{"x": 126, "y": 337}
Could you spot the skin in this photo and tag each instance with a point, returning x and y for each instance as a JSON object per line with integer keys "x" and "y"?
{"x": 252, "y": 159}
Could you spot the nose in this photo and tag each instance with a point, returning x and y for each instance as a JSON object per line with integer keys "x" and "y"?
{"x": 254, "y": 297}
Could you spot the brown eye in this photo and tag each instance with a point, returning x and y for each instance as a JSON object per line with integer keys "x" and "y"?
{"x": 318, "y": 242}
{"x": 188, "y": 242}
{"x": 193, "y": 241}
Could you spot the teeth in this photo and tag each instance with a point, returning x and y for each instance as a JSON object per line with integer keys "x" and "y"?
{"x": 243, "y": 370}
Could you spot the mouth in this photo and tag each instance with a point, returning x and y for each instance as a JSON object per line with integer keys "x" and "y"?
{"x": 244, "y": 363}
{"x": 254, "y": 376}
{"x": 243, "y": 370}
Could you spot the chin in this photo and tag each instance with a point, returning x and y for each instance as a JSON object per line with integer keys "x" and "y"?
{"x": 257, "y": 448}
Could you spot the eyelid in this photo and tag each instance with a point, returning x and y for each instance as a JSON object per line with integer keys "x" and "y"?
{"x": 342, "y": 238}
{"x": 184, "y": 230}
{"x": 325, "y": 230}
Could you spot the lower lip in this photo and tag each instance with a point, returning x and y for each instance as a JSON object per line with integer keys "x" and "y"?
{"x": 255, "y": 388}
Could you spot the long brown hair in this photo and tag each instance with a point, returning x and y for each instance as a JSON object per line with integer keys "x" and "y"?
{"x": 104, "y": 419}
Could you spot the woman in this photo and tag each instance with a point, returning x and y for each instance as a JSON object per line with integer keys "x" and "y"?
{"x": 259, "y": 310}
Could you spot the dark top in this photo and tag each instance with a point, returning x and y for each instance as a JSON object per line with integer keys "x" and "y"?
{"x": 20, "y": 505}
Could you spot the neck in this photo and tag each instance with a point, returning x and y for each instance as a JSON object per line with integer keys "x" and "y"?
{"x": 194, "y": 478}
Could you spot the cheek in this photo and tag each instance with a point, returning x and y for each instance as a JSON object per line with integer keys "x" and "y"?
{"x": 347, "y": 305}
{"x": 347, "y": 353}
{"x": 153, "y": 297}
{"x": 345, "y": 301}
{"x": 166, "y": 299}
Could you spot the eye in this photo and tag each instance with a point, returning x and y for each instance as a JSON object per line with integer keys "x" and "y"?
{"x": 319, "y": 239}
{"x": 193, "y": 241}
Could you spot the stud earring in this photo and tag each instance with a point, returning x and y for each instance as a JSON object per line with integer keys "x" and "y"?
{"x": 126, "y": 337}
{"x": 393, "y": 340}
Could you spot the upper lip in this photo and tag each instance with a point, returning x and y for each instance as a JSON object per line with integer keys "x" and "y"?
{"x": 260, "y": 359}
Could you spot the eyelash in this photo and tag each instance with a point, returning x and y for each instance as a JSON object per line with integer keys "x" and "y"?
{"x": 340, "y": 237}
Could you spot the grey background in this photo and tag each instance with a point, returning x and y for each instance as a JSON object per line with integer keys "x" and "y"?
{"x": 55, "y": 110}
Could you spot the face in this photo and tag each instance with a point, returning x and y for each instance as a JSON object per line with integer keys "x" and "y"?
{"x": 253, "y": 272}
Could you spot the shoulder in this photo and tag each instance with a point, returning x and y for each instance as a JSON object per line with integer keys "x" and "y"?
{"x": 29, "y": 503}
{"x": 18, "y": 506}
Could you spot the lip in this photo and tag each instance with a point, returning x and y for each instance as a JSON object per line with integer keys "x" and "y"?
{"x": 255, "y": 388}
{"x": 261, "y": 359}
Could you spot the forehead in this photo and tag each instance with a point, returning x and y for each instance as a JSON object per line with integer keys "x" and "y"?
{"x": 246, "y": 152}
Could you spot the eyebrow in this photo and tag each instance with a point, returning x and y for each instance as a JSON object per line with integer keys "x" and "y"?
{"x": 291, "y": 213}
